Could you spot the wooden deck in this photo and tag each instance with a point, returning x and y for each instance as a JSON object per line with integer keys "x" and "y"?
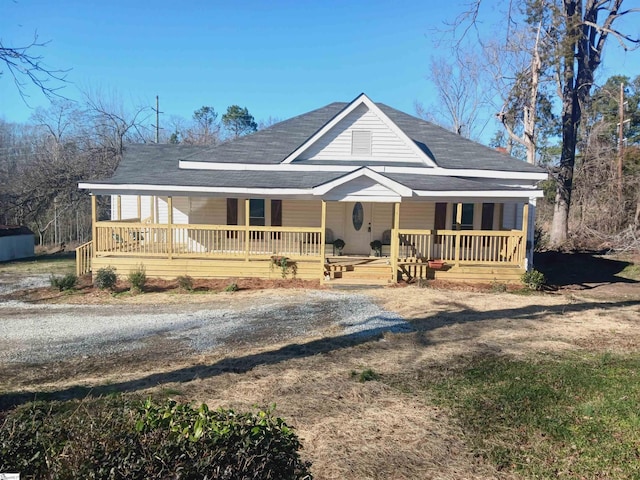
{"x": 223, "y": 251}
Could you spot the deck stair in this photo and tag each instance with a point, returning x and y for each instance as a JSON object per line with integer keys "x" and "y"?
{"x": 481, "y": 273}
{"x": 358, "y": 270}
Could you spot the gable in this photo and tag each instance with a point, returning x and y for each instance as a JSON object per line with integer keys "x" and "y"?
{"x": 362, "y": 189}
{"x": 361, "y": 132}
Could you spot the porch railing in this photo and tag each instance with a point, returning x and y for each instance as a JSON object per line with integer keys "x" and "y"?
{"x": 463, "y": 246}
{"x": 187, "y": 240}
{"x": 84, "y": 253}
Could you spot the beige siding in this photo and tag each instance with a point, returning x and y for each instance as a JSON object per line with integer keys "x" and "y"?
{"x": 382, "y": 219}
{"x": 336, "y": 144}
{"x": 211, "y": 211}
{"x": 336, "y": 218}
{"x": 417, "y": 215}
{"x": 301, "y": 213}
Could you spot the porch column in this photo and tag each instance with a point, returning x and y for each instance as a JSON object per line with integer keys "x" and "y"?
{"x": 395, "y": 242}
{"x": 247, "y": 220}
{"x": 139, "y": 208}
{"x": 119, "y": 207}
{"x": 152, "y": 208}
{"x": 458, "y": 228}
{"x": 525, "y": 233}
{"x": 94, "y": 220}
{"x": 323, "y": 223}
{"x": 169, "y": 229}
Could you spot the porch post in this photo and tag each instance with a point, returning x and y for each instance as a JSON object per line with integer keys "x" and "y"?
{"x": 169, "y": 222}
{"x": 323, "y": 223}
{"x": 139, "y": 208}
{"x": 395, "y": 242}
{"x": 458, "y": 227}
{"x": 525, "y": 233}
{"x": 247, "y": 219}
{"x": 119, "y": 207}
{"x": 152, "y": 208}
{"x": 94, "y": 220}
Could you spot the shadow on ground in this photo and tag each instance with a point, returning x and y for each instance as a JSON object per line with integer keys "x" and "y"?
{"x": 458, "y": 314}
{"x": 586, "y": 269}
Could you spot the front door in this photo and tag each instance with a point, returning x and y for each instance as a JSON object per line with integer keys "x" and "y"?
{"x": 358, "y": 229}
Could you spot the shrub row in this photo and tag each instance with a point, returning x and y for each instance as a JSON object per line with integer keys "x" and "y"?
{"x": 117, "y": 438}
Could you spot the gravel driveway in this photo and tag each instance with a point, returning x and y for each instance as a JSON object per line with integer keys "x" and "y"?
{"x": 39, "y": 333}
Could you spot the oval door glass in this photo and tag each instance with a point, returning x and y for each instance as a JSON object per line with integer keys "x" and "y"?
{"x": 358, "y": 216}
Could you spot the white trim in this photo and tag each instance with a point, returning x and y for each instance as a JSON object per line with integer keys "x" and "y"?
{"x": 422, "y": 170}
{"x": 191, "y": 189}
{"x": 362, "y": 99}
{"x": 392, "y": 185}
{"x": 481, "y": 193}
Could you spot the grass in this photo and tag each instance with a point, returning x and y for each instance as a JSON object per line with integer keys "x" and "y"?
{"x": 58, "y": 264}
{"x": 574, "y": 417}
{"x": 631, "y": 271}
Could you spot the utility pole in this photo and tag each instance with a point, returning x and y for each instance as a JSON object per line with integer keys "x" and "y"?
{"x": 157, "y": 125}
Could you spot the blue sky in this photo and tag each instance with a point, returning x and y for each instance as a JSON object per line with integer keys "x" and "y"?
{"x": 277, "y": 58}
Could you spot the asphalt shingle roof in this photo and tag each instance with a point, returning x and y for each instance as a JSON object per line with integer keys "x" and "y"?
{"x": 152, "y": 164}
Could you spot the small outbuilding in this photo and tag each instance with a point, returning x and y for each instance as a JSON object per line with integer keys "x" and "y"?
{"x": 16, "y": 242}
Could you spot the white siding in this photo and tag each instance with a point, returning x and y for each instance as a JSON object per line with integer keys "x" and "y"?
{"x": 417, "y": 215}
{"x": 336, "y": 144}
{"x": 362, "y": 189}
{"x": 180, "y": 210}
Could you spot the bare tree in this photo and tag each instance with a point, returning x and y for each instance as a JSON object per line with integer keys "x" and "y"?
{"x": 460, "y": 95}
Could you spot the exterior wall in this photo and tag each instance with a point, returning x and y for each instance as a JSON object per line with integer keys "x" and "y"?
{"x": 512, "y": 216}
{"x": 13, "y": 247}
{"x": 211, "y": 211}
{"x": 336, "y": 144}
{"x": 302, "y": 213}
{"x": 336, "y": 215}
{"x": 417, "y": 215}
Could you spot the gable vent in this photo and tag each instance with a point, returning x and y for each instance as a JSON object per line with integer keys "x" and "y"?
{"x": 361, "y": 142}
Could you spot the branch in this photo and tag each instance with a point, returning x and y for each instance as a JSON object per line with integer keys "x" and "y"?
{"x": 21, "y": 63}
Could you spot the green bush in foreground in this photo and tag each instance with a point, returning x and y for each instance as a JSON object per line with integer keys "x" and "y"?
{"x": 115, "y": 438}
{"x": 105, "y": 278}
{"x": 137, "y": 279}
{"x": 533, "y": 279}
{"x": 185, "y": 282}
{"x": 68, "y": 282}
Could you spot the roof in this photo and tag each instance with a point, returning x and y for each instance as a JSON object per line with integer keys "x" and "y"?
{"x": 14, "y": 230}
{"x": 258, "y": 160}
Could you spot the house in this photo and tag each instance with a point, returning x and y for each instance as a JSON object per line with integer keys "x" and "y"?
{"x": 16, "y": 242}
{"x": 358, "y": 172}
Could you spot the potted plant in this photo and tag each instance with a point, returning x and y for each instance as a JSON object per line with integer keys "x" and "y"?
{"x": 376, "y": 246}
{"x": 436, "y": 264}
{"x": 338, "y": 244}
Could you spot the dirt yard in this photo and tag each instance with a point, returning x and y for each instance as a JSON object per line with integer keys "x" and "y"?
{"x": 350, "y": 430}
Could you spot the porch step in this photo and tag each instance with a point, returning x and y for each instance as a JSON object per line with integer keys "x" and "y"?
{"x": 481, "y": 273}
{"x": 360, "y": 271}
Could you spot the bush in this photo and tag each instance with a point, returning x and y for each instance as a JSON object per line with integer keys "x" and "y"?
{"x": 185, "y": 282}
{"x": 119, "y": 438}
{"x": 105, "y": 278}
{"x": 533, "y": 279}
{"x": 137, "y": 279}
{"x": 68, "y": 282}
{"x": 232, "y": 287}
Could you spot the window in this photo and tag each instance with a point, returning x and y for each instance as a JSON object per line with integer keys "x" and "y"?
{"x": 487, "y": 216}
{"x": 466, "y": 222}
{"x": 256, "y": 212}
{"x": 361, "y": 142}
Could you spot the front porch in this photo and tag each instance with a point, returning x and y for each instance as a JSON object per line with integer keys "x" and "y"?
{"x": 169, "y": 250}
